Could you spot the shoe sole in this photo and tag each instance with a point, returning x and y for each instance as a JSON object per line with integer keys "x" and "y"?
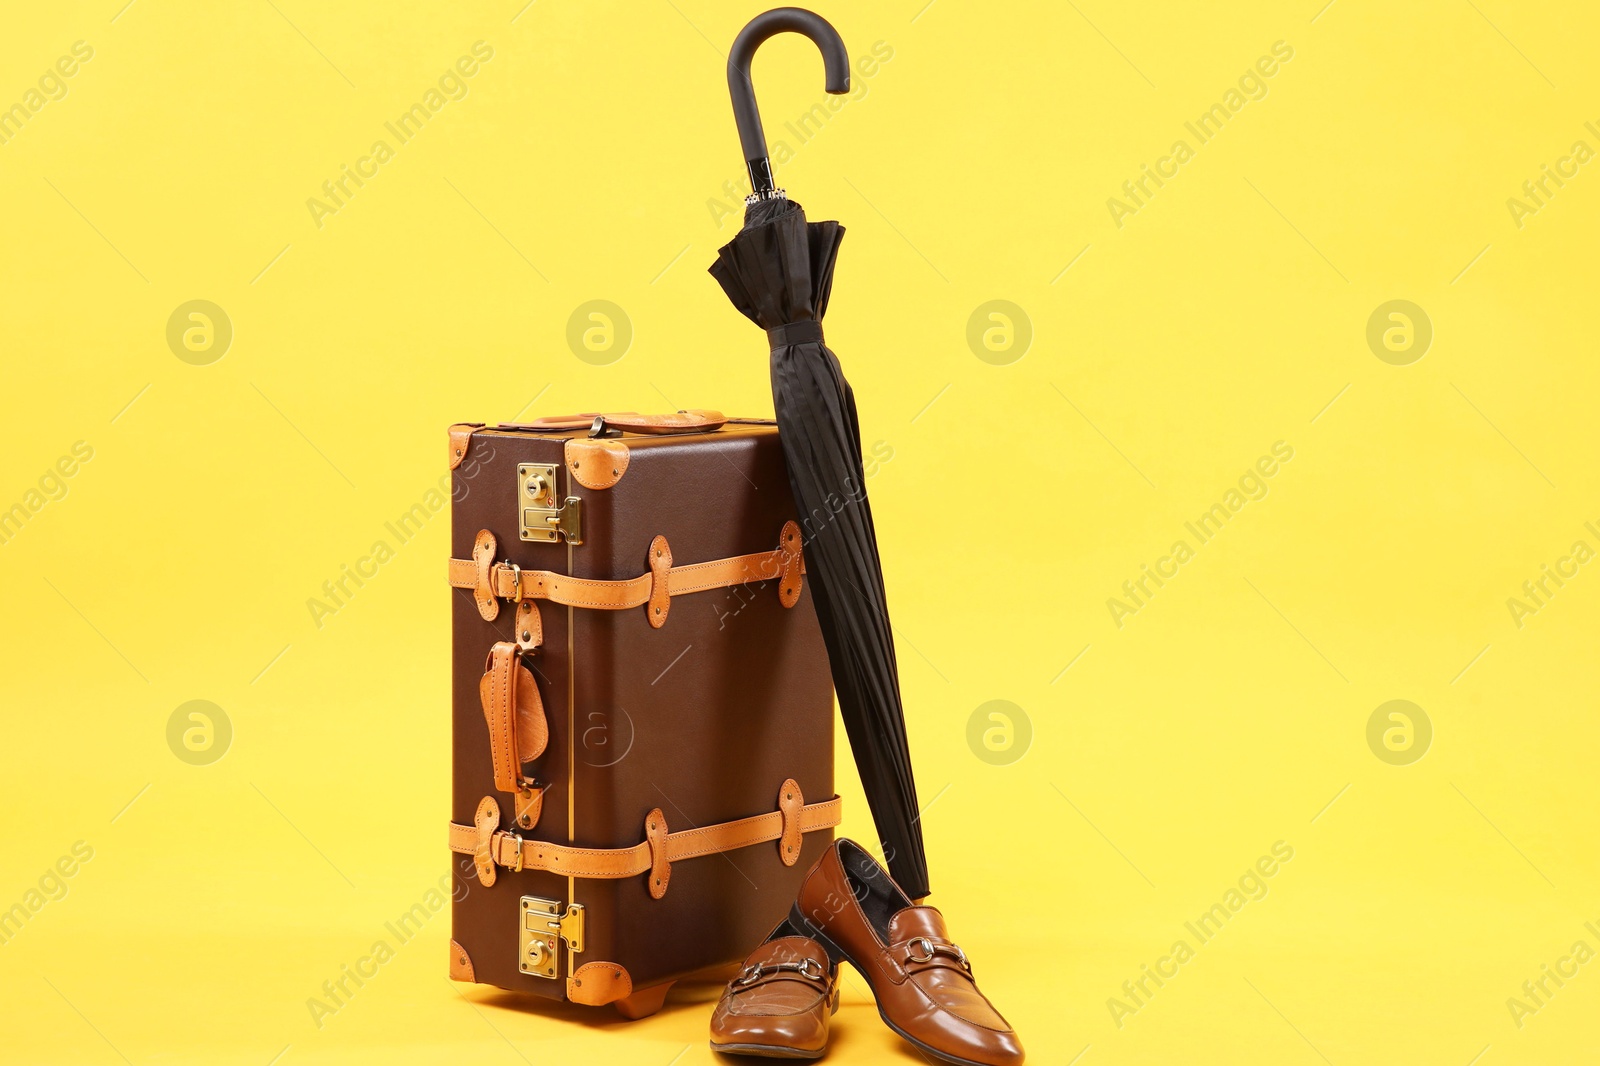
{"x": 836, "y": 953}
{"x": 767, "y": 1051}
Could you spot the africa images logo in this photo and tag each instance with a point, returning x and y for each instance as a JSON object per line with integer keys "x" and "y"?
{"x": 337, "y": 192}
{"x": 1137, "y": 592}
{"x": 1252, "y": 85}
{"x": 1251, "y": 887}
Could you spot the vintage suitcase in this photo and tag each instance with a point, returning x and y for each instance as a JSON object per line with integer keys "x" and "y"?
{"x": 643, "y": 712}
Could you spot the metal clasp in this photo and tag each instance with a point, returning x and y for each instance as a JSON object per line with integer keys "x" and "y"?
{"x": 541, "y": 927}
{"x": 516, "y": 844}
{"x": 542, "y": 516}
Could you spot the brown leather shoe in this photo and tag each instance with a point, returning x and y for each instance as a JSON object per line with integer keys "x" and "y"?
{"x": 922, "y": 981}
{"x": 780, "y": 1003}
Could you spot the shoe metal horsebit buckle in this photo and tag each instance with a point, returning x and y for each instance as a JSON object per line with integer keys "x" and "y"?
{"x": 810, "y": 968}
{"x": 929, "y": 952}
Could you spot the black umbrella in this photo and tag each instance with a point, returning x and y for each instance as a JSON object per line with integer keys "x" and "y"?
{"x": 778, "y": 271}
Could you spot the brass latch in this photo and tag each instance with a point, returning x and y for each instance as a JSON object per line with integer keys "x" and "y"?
{"x": 543, "y": 927}
{"x": 541, "y": 517}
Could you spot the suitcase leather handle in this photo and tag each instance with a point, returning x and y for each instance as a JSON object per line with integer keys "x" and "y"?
{"x": 691, "y": 421}
{"x": 518, "y": 731}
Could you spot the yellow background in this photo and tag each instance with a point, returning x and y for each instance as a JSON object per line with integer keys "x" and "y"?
{"x": 1229, "y": 313}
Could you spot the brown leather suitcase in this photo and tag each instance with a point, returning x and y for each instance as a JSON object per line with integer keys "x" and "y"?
{"x": 643, "y": 712}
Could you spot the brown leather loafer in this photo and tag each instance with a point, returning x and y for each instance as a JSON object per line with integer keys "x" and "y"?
{"x": 780, "y": 1003}
{"x": 920, "y": 978}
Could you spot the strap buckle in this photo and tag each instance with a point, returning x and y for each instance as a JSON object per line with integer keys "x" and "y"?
{"x": 516, "y": 580}
{"x": 515, "y": 865}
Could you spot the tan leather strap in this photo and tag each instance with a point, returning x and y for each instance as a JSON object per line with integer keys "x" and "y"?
{"x": 507, "y": 581}
{"x": 529, "y": 804}
{"x": 655, "y": 838}
{"x": 790, "y": 805}
{"x": 478, "y": 839}
{"x": 697, "y": 420}
{"x": 791, "y": 564}
{"x": 530, "y": 626}
{"x": 660, "y": 581}
{"x": 482, "y": 561}
{"x": 512, "y": 852}
{"x": 572, "y": 421}
{"x": 518, "y": 731}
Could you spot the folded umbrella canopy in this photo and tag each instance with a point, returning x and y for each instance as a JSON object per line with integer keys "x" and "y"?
{"x": 778, "y": 271}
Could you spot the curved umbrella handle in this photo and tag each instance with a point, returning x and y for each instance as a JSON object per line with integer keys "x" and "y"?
{"x": 768, "y": 24}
